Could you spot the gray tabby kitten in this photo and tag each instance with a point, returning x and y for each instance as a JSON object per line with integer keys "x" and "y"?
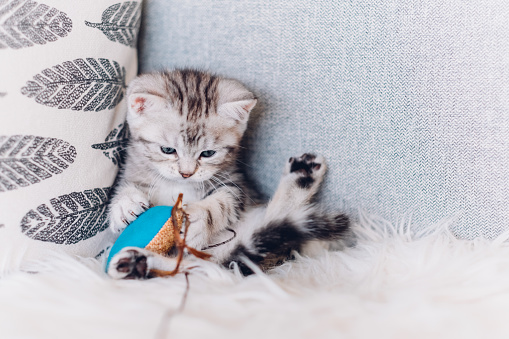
{"x": 186, "y": 127}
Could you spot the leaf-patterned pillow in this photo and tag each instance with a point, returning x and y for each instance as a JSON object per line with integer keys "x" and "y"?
{"x": 64, "y": 66}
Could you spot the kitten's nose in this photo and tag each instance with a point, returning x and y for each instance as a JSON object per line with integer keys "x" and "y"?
{"x": 185, "y": 175}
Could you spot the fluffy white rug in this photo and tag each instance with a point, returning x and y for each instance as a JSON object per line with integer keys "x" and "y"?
{"x": 392, "y": 284}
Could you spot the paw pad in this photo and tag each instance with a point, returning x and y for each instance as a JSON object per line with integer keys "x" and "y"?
{"x": 304, "y": 164}
{"x": 306, "y": 167}
{"x": 133, "y": 265}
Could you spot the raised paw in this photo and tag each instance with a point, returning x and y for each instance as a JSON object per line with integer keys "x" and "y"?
{"x": 125, "y": 208}
{"x": 130, "y": 263}
{"x": 308, "y": 168}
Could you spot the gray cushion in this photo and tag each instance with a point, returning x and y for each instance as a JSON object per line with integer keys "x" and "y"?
{"x": 408, "y": 100}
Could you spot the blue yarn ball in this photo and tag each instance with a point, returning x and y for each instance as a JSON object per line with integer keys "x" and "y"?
{"x": 141, "y": 231}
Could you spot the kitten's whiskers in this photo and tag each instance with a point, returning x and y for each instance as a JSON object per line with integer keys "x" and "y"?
{"x": 210, "y": 182}
{"x": 240, "y": 189}
{"x": 221, "y": 183}
{"x": 151, "y": 190}
{"x": 243, "y": 163}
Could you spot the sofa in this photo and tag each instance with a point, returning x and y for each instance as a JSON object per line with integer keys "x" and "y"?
{"x": 407, "y": 101}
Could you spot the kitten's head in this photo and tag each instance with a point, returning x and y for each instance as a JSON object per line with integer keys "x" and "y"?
{"x": 186, "y": 124}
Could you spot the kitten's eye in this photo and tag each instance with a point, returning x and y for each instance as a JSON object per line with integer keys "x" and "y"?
{"x": 207, "y": 154}
{"x": 168, "y": 150}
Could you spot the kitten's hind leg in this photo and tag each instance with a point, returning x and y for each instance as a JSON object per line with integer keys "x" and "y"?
{"x": 139, "y": 263}
{"x": 300, "y": 182}
{"x": 291, "y": 219}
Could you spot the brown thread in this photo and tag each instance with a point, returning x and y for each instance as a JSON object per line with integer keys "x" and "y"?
{"x": 168, "y": 315}
{"x": 224, "y": 242}
{"x": 178, "y": 217}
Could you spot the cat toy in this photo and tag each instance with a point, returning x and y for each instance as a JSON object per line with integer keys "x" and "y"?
{"x": 158, "y": 230}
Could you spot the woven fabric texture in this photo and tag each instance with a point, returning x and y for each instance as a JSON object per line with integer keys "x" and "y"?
{"x": 408, "y": 100}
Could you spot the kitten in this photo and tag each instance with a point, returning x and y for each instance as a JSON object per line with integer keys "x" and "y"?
{"x": 185, "y": 131}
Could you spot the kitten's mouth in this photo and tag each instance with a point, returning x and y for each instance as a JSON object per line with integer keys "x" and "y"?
{"x": 189, "y": 179}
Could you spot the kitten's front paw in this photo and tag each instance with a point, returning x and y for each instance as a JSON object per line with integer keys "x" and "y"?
{"x": 197, "y": 234}
{"x": 126, "y": 207}
{"x": 129, "y": 263}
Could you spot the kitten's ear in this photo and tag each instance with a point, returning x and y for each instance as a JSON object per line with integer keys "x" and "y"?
{"x": 235, "y": 101}
{"x": 140, "y": 104}
{"x": 237, "y": 110}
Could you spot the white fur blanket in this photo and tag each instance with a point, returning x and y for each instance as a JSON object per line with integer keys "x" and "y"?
{"x": 392, "y": 284}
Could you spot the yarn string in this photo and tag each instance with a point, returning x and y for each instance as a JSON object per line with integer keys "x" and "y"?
{"x": 224, "y": 242}
{"x": 179, "y": 217}
{"x": 169, "y": 314}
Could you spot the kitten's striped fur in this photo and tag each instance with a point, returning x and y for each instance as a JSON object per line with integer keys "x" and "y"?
{"x": 197, "y": 114}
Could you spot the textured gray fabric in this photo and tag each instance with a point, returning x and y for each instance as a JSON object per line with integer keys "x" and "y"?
{"x": 408, "y": 100}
